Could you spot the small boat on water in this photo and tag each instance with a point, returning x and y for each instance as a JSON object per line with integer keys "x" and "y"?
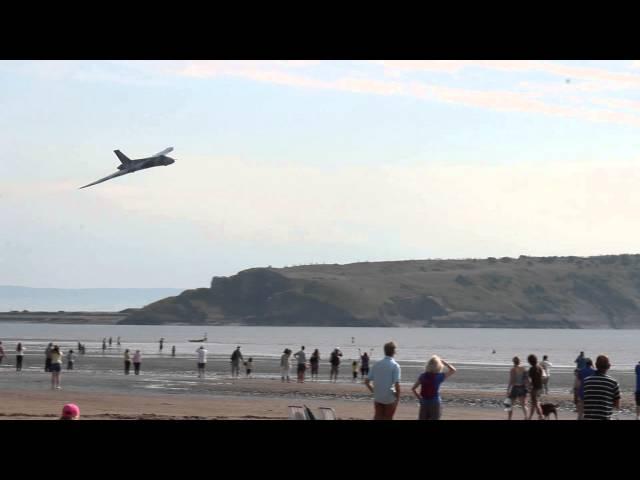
{"x": 201, "y": 339}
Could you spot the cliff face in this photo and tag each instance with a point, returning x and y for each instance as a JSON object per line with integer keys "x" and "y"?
{"x": 528, "y": 292}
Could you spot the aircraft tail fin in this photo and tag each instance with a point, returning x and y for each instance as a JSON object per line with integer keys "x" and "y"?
{"x": 122, "y": 157}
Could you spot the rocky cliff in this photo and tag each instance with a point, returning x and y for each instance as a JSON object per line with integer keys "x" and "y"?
{"x": 527, "y": 292}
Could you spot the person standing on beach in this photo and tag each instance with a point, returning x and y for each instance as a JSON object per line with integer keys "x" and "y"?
{"x": 364, "y": 365}
{"x": 202, "y": 360}
{"x": 354, "y": 370}
{"x": 173, "y": 351}
{"x": 314, "y": 361}
{"x": 385, "y": 376}
{"x": 248, "y": 365}
{"x": 1, "y": 352}
{"x": 285, "y": 364}
{"x": 581, "y": 376}
{"x": 104, "y": 344}
{"x": 118, "y": 341}
{"x": 70, "y": 359}
{"x": 56, "y": 367}
{"x": 580, "y": 361}
{"x": 302, "y": 364}
{"x": 429, "y": 383}
{"x": 535, "y": 375}
{"x": 110, "y": 340}
{"x": 19, "y": 356}
{"x": 161, "y": 343}
{"x": 137, "y": 360}
{"x": 638, "y": 391}
{"x": 601, "y": 392}
{"x": 236, "y": 358}
{"x": 334, "y": 360}
{"x": 47, "y": 357}
{"x": 517, "y": 388}
{"x": 546, "y": 373}
{"x": 127, "y": 362}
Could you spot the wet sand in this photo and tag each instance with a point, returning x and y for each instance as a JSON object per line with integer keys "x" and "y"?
{"x": 28, "y": 396}
{"x": 168, "y": 388}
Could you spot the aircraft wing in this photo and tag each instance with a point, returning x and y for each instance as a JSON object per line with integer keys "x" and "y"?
{"x": 163, "y": 152}
{"x": 113, "y": 175}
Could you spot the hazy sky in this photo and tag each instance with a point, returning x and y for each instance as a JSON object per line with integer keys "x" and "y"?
{"x": 281, "y": 163}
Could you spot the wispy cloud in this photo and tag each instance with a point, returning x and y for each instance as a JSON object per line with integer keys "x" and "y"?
{"x": 576, "y": 93}
{"x": 576, "y": 101}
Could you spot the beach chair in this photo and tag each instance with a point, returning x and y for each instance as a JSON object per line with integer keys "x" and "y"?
{"x": 327, "y": 413}
{"x": 297, "y": 412}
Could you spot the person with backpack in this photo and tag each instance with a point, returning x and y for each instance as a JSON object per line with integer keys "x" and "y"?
{"x": 429, "y": 383}
{"x": 334, "y": 360}
{"x": 236, "y": 358}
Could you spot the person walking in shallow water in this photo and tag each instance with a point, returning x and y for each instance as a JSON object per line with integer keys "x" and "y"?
{"x": 236, "y": 358}
{"x": 56, "y": 367}
{"x": 137, "y": 360}
{"x": 127, "y": 362}
{"x": 70, "y": 359}
{"x": 19, "y": 356}
{"x": 314, "y": 361}
{"x": 202, "y": 360}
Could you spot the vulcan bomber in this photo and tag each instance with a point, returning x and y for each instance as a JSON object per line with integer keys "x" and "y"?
{"x": 127, "y": 165}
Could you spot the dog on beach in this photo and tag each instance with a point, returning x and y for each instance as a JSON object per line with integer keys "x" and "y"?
{"x": 548, "y": 409}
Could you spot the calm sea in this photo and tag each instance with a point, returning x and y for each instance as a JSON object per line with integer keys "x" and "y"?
{"x": 473, "y": 346}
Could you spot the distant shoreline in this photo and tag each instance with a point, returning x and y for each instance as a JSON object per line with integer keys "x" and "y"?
{"x": 112, "y": 318}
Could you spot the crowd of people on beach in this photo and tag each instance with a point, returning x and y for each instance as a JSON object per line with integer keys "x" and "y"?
{"x": 595, "y": 393}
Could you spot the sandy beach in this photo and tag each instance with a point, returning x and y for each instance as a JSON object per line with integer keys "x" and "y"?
{"x": 112, "y": 395}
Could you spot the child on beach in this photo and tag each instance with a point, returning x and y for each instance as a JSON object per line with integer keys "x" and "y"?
{"x": 70, "y": 359}
{"x": 70, "y": 412}
{"x": 137, "y": 359}
{"x": 354, "y": 368}
{"x": 19, "y": 355}
{"x": 248, "y": 365}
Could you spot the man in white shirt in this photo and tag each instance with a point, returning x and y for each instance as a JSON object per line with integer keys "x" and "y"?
{"x": 302, "y": 363}
{"x": 546, "y": 373}
{"x": 385, "y": 376}
{"x": 202, "y": 360}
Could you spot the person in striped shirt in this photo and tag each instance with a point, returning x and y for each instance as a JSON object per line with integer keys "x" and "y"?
{"x": 601, "y": 392}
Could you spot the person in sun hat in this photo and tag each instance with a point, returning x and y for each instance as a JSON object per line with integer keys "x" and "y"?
{"x": 70, "y": 412}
